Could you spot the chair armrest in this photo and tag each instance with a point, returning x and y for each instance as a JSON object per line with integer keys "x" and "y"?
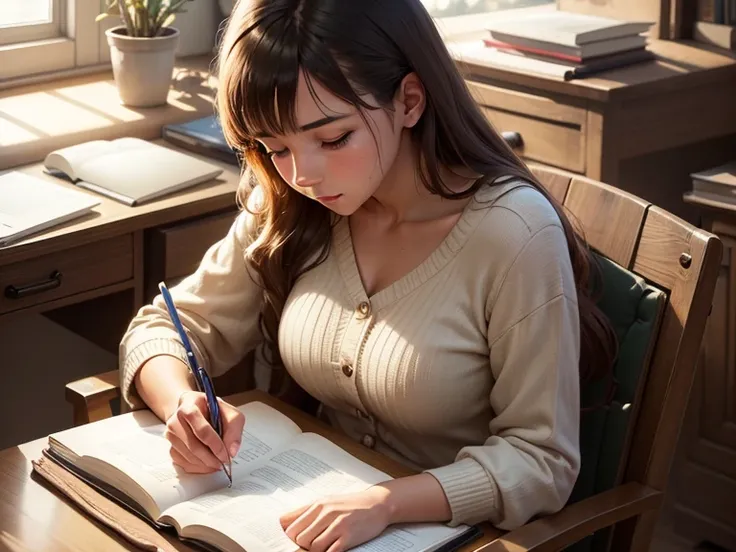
{"x": 575, "y": 522}
{"x": 90, "y": 397}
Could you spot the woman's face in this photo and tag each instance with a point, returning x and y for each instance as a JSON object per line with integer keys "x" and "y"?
{"x": 334, "y": 158}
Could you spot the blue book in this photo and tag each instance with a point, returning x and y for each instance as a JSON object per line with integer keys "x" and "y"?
{"x": 203, "y": 136}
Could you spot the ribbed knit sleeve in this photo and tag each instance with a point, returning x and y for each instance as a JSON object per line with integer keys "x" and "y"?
{"x": 218, "y": 304}
{"x": 529, "y": 464}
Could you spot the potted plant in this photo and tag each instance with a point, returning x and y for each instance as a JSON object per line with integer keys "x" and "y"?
{"x": 142, "y": 49}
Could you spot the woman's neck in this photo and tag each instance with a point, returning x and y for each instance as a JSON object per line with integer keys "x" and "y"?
{"x": 402, "y": 196}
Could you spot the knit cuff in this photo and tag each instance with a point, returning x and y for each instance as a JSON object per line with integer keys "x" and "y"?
{"x": 135, "y": 360}
{"x": 469, "y": 490}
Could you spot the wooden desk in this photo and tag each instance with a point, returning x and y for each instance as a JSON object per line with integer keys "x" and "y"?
{"x": 110, "y": 260}
{"x": 35, "y": 517}
{"x": 642, "y": 128}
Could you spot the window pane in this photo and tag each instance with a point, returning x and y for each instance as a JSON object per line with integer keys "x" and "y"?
{"x": 25, "y": 12}
{"x": 448, "y": 8}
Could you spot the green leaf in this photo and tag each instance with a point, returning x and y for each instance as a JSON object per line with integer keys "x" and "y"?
{"x": 144, "y": 18}
{"x": 154, "y": 7}
{"x": 169, "y": 20}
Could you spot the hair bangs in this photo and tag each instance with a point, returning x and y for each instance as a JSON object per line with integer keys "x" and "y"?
{"x": 270, "y": 77}
{"x": 262, "y": 101}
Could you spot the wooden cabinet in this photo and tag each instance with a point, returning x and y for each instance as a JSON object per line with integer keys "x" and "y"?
{"x": 175, "y": 251}
{"x": 703, "y": 497}
{"x": 66, "y": 273}
{"x": 552, "y": 127}
{"x": 643, "y": 128}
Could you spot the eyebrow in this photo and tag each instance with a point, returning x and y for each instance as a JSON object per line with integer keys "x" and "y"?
{"x": 310, "y": 126}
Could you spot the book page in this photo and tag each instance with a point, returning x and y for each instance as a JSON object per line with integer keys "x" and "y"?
{"x": 30, "y": 202}
{"x": 138, "y": 170}
{"x": 134, "y": 443}
{"x": 309, "y": 467}
{"x": 68, "y": 160}
{"x": 266, "y": 429}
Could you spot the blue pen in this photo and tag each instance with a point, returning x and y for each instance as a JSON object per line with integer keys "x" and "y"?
{"x": 204, "y": 383}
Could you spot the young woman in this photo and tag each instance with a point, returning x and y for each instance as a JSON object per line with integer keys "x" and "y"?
{"x": 403, "y": 266}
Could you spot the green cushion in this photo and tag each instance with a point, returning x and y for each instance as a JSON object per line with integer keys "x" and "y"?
{"x": 634, "y": 309}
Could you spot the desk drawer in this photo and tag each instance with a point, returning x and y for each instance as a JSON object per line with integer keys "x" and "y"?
{"x": 176, "y": 251}
{"x": 65, "y": 273}
{"x": 553, "y": 132}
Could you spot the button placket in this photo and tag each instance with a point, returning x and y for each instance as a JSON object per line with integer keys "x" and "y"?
{"x": 347, "y": 369}
{"x": 356, "y": 333}
{"x": 363, "y": 310}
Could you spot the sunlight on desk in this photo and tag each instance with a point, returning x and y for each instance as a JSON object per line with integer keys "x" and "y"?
{"x": 46, "y": 114}
{"x": 36, "y": 119}
{"x": 10, "y": 543}
{"x": 13, "y": 131}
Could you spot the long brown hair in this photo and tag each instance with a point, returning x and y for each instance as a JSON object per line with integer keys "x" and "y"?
{"x": 353, "y": 48}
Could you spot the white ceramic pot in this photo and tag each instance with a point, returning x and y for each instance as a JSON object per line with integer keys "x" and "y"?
{"x": 142, "y": 67}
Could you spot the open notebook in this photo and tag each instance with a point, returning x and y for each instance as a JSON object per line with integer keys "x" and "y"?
{"x": 29, "y": 204}
{"x": 277, "y": 469}
{"x": 129, "y": 170}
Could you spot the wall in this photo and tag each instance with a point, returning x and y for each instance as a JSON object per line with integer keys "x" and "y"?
{"x": 198, "y": 27}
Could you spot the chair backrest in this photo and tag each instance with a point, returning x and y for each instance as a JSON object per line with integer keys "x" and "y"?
{"x": 659, "y": 277}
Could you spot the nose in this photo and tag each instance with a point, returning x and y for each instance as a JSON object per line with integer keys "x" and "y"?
{"x": 307, "y": 171}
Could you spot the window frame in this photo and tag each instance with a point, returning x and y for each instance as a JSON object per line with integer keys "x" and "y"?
{"x": 31, "y": 32}
{"x": 78, "y": 43}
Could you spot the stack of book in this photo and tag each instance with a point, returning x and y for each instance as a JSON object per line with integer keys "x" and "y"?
{"x": 570, "y": 44}
{"x": 717, "y": 184}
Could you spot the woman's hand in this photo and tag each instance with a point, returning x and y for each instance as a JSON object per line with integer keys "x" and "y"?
{"x": 195, "y": 445}
{"x": 338, "y": 523}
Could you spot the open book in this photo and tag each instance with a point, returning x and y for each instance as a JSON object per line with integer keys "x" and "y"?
{"x": 129, "y": 170}
{"x": 29, "y": 204}
{"x": 278, "y": 469}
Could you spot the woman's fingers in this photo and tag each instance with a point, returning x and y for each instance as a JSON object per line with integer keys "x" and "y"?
{"x": 233, "y": 422}
{"x": 179, "y": 425}
{"x": 196, "y": 441}
{"x": 186, "y": 464}
{"x": 204, "y": 433}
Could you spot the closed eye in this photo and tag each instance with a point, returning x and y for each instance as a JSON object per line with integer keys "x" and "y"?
{"x": 277, "y": 153}
{"x": 338, "y": 143}
{"x": 331, "y": 144}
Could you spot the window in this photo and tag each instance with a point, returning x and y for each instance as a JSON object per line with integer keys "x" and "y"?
{"x": 451, "y": 8}
{"x": 41, "y": 38}
{"x": 30, "y": 20}
{"x": 38, "y": 36}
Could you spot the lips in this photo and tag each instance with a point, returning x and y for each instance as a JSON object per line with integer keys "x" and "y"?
{"x": 329, "y": 198}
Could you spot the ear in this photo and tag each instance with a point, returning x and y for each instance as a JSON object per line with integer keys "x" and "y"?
{"x": 411, "y": 99}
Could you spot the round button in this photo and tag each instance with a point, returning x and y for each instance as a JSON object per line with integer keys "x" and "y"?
{"x": 368, "y": 441}
{"x": 364, "y": 309}
{"x": 347, "y": 370}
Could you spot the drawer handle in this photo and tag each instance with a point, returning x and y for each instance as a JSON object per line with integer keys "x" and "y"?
{"x": 54, "y": 281}
{"x": 512, "y": 138}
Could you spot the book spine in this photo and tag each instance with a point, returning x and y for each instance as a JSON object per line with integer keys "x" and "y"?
{"x": 706, "y": 11}
{"x": 720, "y": 11}
{"x": 538, "y": 51}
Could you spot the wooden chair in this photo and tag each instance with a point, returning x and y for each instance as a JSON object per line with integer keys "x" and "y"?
{"x": 672, "y": 268}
